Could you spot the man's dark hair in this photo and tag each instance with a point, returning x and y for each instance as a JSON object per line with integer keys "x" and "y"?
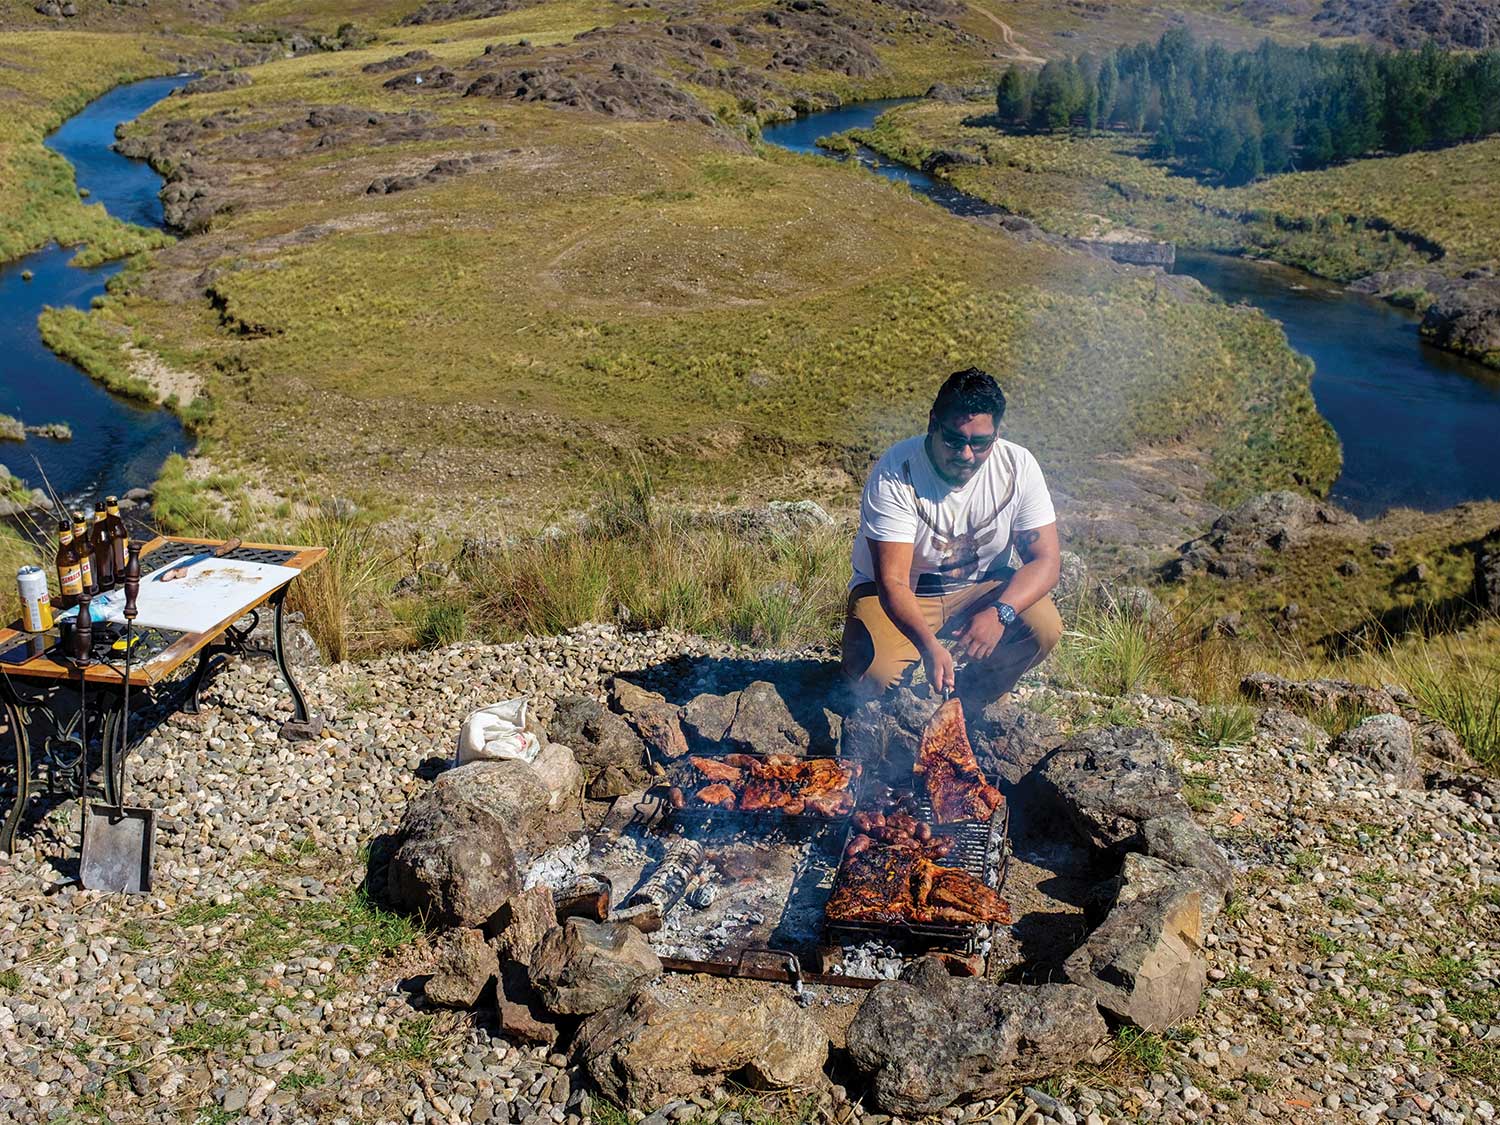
{"x": 970, "y": 391}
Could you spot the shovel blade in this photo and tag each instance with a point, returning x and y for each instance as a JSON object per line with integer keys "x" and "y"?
{"x": 119, "y": 846}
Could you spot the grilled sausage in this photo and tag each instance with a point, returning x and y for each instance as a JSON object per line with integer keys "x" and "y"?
{"x": 923, "y": 832}
{"x": 859, "y": 844}
{"x": 675, "y": 798}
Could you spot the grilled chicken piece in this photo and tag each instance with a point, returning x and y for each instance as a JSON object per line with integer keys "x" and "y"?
{"x": 762, "y": 796}
{"x": 949, "y": 889}
{"x": 743, "y": 761}
{"x": 829, "y": 804}
{"x": 955, "y": 785}
{"x": 716, "y": 794}
{"x": 715, "y": 770}
{"x": 896, "y": 883}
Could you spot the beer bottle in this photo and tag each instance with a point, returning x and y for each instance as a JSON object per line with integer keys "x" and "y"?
{"x": 104, "y": 550}
{"x": 85, "y": 553}
{"x": 119, "y": 537}
{"x": 69, "y": 573}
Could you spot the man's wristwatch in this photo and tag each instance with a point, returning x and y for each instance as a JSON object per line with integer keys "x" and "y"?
{"x": 1008, "y": 615}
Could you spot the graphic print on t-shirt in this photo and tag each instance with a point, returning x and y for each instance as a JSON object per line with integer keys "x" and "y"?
{"x": 958, "y": 552}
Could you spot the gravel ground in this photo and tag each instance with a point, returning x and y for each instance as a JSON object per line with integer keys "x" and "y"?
{"x": 1355, "y": 978}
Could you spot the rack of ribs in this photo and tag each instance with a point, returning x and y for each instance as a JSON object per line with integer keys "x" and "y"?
{"x": 899, "y": 883}
{"x": 955, "y": 785}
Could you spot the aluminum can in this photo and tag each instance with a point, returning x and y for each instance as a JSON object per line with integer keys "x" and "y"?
{"x": 36, "y": 605}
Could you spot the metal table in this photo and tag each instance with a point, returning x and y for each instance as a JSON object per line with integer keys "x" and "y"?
{"x": 41, "y": 696}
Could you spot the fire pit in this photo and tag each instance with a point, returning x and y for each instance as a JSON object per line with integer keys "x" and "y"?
{"x": 808, "y": 869}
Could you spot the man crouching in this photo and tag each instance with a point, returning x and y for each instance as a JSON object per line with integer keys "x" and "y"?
{"x": 939, "y": 516}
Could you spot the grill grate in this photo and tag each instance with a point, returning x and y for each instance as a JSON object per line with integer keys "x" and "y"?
{"x": 683, "y": 775}
{"x": 171, "y": 552}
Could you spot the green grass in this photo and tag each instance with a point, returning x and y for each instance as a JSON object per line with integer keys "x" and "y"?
{"x": 1141, "y": 1050}
{"x": 10, "y": 981}
{"x": 86, "y": 341}
{"x": 1228, "y": 725}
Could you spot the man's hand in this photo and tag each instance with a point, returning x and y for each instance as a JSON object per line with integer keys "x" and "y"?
{"x": 939, "y": 664}
{"x": 981, "y": 634}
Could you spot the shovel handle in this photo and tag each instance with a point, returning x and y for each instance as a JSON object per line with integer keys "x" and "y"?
{"x": 132, "y": 584}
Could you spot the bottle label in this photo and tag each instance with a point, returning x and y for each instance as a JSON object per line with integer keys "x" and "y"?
{"x": 71, "y": 579}
{"x": 86, "y": 564}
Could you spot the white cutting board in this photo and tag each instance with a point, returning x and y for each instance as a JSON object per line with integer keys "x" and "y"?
{"x": 209, "y": 591}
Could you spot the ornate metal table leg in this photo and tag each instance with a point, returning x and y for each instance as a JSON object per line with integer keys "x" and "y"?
{"x": 299, "y": 705}
{"x": 205, "y": 658}
{"x": 18, "y": 735}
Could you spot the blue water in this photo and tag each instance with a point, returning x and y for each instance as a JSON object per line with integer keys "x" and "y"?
{"x": 117, "y": 444}
{"x": 1420, "y": 427}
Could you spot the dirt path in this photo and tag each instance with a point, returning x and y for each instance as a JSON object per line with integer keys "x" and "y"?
{"x": 1008, "y": 37}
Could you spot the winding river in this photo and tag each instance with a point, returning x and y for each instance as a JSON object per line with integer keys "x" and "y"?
{"x": 1418, "y": 424}
{"x": 117, "y": 444}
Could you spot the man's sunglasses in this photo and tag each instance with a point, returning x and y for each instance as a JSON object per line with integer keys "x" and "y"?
{"x": 956, "y": 441}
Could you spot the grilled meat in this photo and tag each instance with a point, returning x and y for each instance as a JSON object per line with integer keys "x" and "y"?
{"x": 715, "y": 770}
{"x": 829, "y": 804}
{"x": 955, "y": 785}
{"x": 761, "y": 796}
{"x": 893, "y": 884}
{"x": 716, "y": 794}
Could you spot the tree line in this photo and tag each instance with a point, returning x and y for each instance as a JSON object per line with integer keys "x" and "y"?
{"x": 1236, "y": 115}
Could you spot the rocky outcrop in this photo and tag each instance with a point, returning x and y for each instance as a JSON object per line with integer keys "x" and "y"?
{"x": 1238, "y": 541}
{"x": 1472, "y": 24}
{"x": 1384, "y": 742}
{"x": 1487, "y": 573}
{"x": 454, "y": 865}
{"x": 930, "y": 1039}
{"x": 611, "y": 753}
{"x": 522, "y": 924}
{"x": 1323, "y": 695}
{"x": 1177, "y": 839}
{"x": 215, "y": 83}
{"x": 536, "y": 818}
{"x": 584, "y": 967}
{"x": 1466, "y": 318}
{"x": 1111, "y": 781}
{"x": 649, "y": 1050}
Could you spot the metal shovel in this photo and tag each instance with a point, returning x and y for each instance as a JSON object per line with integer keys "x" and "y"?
{"x": 119, "y": 843}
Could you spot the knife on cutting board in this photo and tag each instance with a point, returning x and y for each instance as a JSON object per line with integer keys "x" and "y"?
{"x": 177, "y": 569}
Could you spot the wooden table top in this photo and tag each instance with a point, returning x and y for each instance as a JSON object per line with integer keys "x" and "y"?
{"x": 166, "y": 662}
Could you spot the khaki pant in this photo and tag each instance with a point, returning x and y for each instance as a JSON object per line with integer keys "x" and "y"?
{"x": 878, "y": 655}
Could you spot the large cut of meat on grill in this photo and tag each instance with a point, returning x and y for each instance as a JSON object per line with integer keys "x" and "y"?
{"x": 947, "y": 894}
{"x": 955, "y": 785}
{"x": 894, "y": 884}
{"x": 716, "y": 794}
{"x": 716, "y": 770}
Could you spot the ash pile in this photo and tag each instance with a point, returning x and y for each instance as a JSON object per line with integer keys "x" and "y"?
{"x": 686, "y": 885}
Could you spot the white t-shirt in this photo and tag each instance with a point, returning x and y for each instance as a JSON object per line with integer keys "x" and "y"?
{"x": 960, "y": 533}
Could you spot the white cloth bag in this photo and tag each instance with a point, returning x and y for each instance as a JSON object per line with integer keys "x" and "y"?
{"x": 496, "y": 732}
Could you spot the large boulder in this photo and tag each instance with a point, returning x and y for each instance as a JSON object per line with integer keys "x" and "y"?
{"x": 1384, "y": 743}
{"x": 1466, "y": 318}
{"x": 558, "y": 769}
{"x": 647, "y": 1051}
{"x": 1144, "y": 964}
{"x": 584, "y": 967}
{"x": 763, "y": 724}
{"x": 1273, "y": 521}
{"x": 1142, "y": 875}
{"x": 536, "y": 818}
{"x": 454, "y": 865}
{"x": 929, "y": 1039}
{"x": 1012, "y": 740}
{"x": 465, "y": 965}
{"x": 612, "y": 755}
{"x": 1111, "y": 781}
{"x": 657, "y": 722}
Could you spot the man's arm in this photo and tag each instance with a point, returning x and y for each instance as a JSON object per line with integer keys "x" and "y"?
{"x": 893, "y": 584}
{"x": 1041, "y": 563}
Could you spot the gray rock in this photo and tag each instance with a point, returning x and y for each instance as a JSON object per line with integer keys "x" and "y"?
{"x": 1325, "y": 695}
{"x": 584, "y": 967}
{"x": 1466, "y": 318}
{"x": 465, "y": 965}
{"x": 519, "y": 927}
{"x": 454, "y": 865}
{"x": 657, "y": 722}
{"x": 1288, "y": 729}
{"x": 1384, "y": 742}
{"x": 1144, "y": 963}
{"x": 1142, "y": 875}
{"x": 929, "y": 1039}
{"x": 1011, "y": 740}
{"x": 648, "y": 1051}
{"x": 1111, "y": 781}
{"x": 1275, "y": 521}
{"x": 518, "y": 797}
{"x": 707, "y": 717}
{"x": 1177, "y": 839}
{"x": 612, "y": 755}
{"x": 1437, "y": 741}
{"x": 1072, "y": 583}
{"x": 764, "y": 725}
